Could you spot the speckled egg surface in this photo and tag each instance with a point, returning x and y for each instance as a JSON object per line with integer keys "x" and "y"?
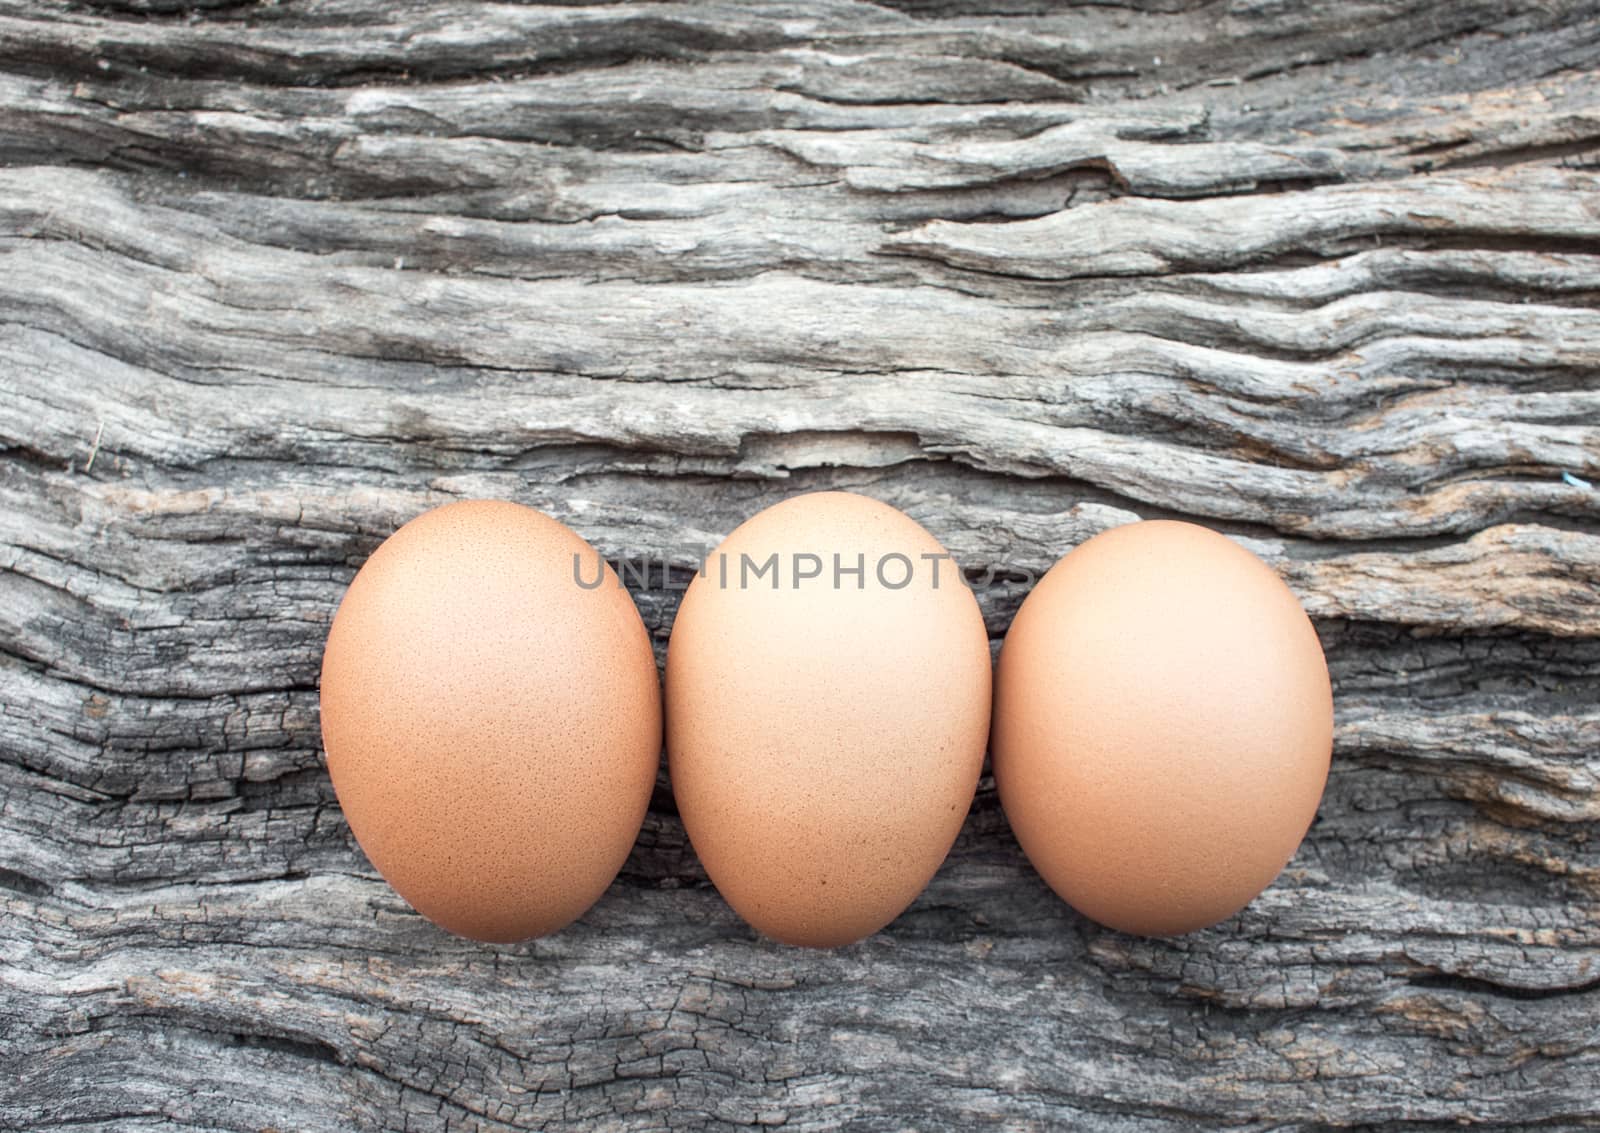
{"x": 825, "y": 732}
{"x": 1162, "y": 727}
{"x": 492, "y": 728}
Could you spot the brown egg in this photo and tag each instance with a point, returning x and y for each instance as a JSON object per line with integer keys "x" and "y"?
{"x": 1162, "y": 727}
{"x": 493, "y": 727}
{"x": 825, "y": 733}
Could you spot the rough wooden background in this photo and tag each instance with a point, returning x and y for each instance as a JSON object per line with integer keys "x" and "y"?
{"x": 275, "y": 276}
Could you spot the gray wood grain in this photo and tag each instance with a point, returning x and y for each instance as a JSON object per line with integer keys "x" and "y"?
{"x": 276, "y": 276}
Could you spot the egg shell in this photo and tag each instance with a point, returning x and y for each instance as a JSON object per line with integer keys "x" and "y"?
{"x": 1163, "y": 723}
{"x": 492, "y": 727}
{"x": 824, "y": 742}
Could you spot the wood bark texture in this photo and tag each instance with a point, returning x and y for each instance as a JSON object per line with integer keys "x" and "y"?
{"x": 276, "y": 276}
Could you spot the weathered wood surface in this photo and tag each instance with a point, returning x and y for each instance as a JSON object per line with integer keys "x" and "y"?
{"x": 276, "y": 276}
